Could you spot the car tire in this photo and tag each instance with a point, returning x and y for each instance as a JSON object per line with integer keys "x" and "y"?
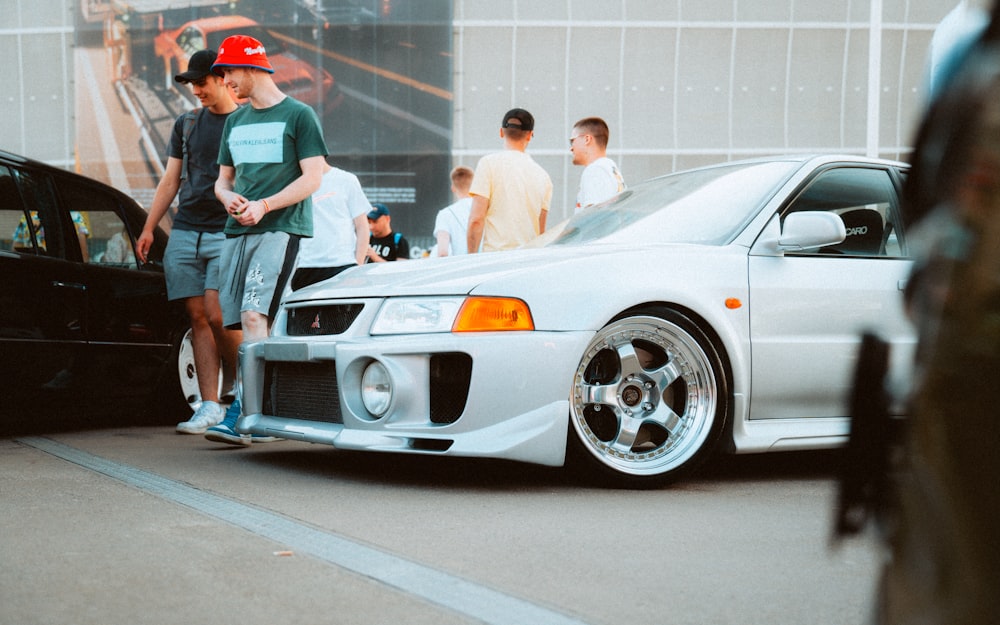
{"x": 179, "y": 394}
{"x": 649, "y": 400}
{"x": 184, "y": 393}
{"x": 187, "y": 374}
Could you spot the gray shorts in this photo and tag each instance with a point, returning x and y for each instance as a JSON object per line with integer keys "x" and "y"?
{"x": 191, "y": 263}
{"x": 254, "y": 272}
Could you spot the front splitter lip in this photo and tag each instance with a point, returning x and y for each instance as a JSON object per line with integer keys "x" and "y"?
{"x": 538, "y": 436}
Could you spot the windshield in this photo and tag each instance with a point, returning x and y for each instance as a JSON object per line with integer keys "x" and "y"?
{"x": 708, "y": 206}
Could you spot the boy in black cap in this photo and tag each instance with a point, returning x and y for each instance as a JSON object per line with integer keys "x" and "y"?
{"x": 191, "y": 261}
{"x": 384, "y": 244}
{"x": 510, "y": 191}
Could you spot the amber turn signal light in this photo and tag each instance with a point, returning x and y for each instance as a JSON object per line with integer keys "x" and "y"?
{"x": 493, "y": 314}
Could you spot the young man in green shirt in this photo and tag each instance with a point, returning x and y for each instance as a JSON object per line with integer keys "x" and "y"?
{"x": 270, "y": 162}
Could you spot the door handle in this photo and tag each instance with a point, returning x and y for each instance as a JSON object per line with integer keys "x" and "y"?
{"x": 69, "y": 285}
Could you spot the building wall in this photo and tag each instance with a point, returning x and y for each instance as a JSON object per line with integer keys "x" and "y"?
{"x": 680, "y": 82}
{"x": 37, "y": 99}
{"x": 688, "y": 82}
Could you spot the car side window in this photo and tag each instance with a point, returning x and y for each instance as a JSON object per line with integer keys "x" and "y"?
{"x": 866, "y": 200}
{"x": 29, "y": 214}
{"x": 108, "y": 240}
{"x": 12, "y": 216}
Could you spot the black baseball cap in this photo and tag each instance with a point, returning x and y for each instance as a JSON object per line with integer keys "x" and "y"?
{"x": 518, "y": 119}
{"x": 199, "y": 66}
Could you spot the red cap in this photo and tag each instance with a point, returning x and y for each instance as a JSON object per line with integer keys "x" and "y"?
{"x": 241, "y": 51}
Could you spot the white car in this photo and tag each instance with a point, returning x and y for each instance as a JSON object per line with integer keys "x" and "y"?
{"x": 720, "y": 307}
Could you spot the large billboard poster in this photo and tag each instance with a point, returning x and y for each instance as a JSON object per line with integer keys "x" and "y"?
{"x": 378, "y": 73}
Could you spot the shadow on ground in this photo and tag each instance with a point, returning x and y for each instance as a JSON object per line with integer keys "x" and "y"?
{"x": 472, "y": 473}
{"x": 428, "y": 470}
{"x": 39, "y": 420}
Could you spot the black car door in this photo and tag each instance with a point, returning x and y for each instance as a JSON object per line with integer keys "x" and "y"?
{"x": 43, "y": 296}
{"x": 130, "y": 325}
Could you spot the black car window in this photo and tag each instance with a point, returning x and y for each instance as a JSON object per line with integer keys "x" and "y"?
{"x": 30, "y": 222}
{"x": 866, "y": 201}
{"x": 12, "y": 216}
{"x": 108, "y": 240}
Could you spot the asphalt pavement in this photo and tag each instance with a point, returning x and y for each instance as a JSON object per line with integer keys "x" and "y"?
{"x": 138, "y": 524}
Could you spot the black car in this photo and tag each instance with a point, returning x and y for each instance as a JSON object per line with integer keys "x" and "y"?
{"x": 83, "y": 325}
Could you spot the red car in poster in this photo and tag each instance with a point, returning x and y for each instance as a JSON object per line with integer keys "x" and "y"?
{"x": 295, "y": 77}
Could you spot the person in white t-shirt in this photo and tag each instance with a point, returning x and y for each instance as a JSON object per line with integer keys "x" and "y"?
{"x": 601, "y": 178}
{"x": 340, "y": 229}
{"x": 452, "y": 222}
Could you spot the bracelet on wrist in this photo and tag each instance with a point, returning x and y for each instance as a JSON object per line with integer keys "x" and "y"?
{"x": 267, "y": 209}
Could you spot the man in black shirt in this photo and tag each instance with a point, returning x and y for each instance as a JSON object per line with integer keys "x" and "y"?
{"x": 191, "y": 261}
{"x": 384, "y": 244}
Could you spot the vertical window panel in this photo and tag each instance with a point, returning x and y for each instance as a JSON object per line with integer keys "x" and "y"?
{"x": 759, "y": 89}
{"x": 662, "y": 10}
{"x": 707, "y": 10}
{"x": 703, "y": 89}
{"x": 815, "y": 89}
{"x": 649, "y": 89}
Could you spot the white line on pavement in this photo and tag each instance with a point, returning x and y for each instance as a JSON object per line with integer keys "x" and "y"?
{"x": 445, "y": 590}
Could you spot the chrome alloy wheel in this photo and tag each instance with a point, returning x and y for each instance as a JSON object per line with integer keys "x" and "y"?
{"x": 646, "y": 396}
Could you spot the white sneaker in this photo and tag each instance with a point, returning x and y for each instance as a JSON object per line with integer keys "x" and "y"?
{"x": 208, "y": 414}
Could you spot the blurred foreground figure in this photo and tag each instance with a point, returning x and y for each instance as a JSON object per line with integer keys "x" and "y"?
{"x": 940, "y": 504}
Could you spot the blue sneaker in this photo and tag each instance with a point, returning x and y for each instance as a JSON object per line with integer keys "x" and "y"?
{"x": 225, "y": 432}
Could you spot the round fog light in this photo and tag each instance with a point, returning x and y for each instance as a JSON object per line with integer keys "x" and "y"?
{"x": 376, "y": 389}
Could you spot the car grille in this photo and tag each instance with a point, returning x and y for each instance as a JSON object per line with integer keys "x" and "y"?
{"x": 302, "y": 390}
{"x": 321, "y": 320}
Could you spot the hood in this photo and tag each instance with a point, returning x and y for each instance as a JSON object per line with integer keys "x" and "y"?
{"x": 452, "y": 275}
{"x": 461, "y": 275}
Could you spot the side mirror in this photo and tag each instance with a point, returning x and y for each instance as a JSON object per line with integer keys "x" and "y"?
{"x": 810, "y": 230}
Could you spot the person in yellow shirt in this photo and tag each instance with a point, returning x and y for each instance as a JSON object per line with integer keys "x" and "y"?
{"x": 510, "y": 192}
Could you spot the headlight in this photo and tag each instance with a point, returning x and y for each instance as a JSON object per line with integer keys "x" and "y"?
{"x": 416, "y": 315}
{"x": 457, "y": 314}
{"x": 376, "y": 389}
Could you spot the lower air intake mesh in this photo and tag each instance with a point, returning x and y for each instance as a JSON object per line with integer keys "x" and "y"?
{"x": 302, "y": 390}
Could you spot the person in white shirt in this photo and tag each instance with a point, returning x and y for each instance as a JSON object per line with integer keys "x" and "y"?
{"x": 452, "y": 222}
{"x": 340, "y": 229}
{"x": 601, "y": 178}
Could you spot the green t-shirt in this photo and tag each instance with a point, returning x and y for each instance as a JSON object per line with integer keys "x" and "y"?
{"x": 265, "y": 146}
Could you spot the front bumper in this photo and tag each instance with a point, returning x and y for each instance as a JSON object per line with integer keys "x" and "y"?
{"x": 515, "y": 387}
